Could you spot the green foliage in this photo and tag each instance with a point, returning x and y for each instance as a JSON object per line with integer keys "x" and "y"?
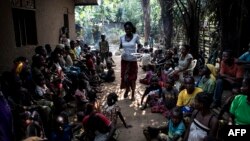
{"x": 155, "y": 17}
{"x": 91, "y": 18}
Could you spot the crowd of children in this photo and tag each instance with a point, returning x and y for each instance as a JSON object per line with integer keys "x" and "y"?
{"x": 196, "y": 98}
{"x": 38, "y": 94}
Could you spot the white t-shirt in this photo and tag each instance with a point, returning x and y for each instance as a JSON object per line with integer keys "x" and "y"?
{"x": 145, "y": 59}
{"x": 129, "y": 47}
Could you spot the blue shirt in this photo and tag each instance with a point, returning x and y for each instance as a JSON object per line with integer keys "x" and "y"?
{"x": 245, "y": 56}
{"x": 175, "y": 130}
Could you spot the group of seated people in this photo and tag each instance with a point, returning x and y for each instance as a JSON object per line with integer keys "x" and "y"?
{"x": 189, "y": 110}
{"x": 39, "y": 93}
{"x": 167, "y": 64}
{"x": 56, "y": 77}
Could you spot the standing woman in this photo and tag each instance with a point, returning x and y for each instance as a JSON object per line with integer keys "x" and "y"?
{"x": 129, "y": 67}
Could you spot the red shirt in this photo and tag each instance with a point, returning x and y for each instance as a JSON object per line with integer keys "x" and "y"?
{"x": 233, "y": 71}
{"x": 104, "y": 119}
{"x": 90, "y": 64}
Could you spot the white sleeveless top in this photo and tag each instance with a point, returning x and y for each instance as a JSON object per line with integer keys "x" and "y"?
{"x": 129, "y": 47}
{"x": 197, "y": 131}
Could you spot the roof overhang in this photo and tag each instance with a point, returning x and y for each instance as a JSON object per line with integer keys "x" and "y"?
{"x": 87, "y": 2}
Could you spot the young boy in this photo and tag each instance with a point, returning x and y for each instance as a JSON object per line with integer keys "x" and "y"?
{"x": 110, "y": 75}
{"x": 165, "y": 102}
{"x": 153, "y": 88}
{"x": 110, "y": 59}
{"x": 173, "y": 131}
{"x": 104, "y": 48}
{"x": 145, "y": 59}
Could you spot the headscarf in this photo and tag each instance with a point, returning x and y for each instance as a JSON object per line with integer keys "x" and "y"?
{"x": 19, "y": 68}
{"x": 212, "y": 70}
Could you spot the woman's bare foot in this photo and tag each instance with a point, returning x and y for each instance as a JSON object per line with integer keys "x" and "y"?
{"x": 133, "y": 98}
{"x": 126, "y": 94}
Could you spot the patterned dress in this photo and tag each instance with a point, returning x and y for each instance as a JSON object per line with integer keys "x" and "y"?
{"x": 110, "y": 112}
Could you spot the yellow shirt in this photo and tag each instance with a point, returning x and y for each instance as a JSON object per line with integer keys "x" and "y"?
{"x": 72, "y": 54}
{"x": 185, "y": 99}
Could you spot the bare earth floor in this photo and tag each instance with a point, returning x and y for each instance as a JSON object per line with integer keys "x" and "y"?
{"x": 130, "y": 109}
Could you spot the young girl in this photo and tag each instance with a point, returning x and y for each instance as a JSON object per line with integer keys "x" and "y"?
{"x": 203, "y": 123}
{"x": 112, "y": 110}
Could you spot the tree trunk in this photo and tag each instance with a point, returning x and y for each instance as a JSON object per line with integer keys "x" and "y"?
{"x": 146, "y": 15}
{"x": 194, "y": 26}
{"x": 167, "y": 21}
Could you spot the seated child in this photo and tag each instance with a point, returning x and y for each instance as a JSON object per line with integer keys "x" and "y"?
{"x": 62, "y": 130}
{"x": 153, "y": 88}
{"x": 167, "y": 101}
{"x": 186, "y": 97}
{"x": 97, "y": 126}
{"x": 110, "y": 59}
{"x": 90, "y": 64}
{"x": 110, "y": 75}
{"x": 80, "y": 95}
{"x": 99, "y": 66}
{"x": 203, "y": 122}
{"x": 145, "y": 59}
{"x": 173, "y": 131}
{"x": 149, "y": 74}
{"x": 43, "y": 95}
{"x": 112, "y": 110}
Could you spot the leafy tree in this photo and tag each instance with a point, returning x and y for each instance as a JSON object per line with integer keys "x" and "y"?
{"x": 118, "y": 12}
{"x": 155, "y": 17}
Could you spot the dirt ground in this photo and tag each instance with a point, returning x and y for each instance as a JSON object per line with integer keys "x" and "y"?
{"x": 130, "y": 109}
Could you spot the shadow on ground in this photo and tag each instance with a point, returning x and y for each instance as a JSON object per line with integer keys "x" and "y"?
{"x": 130, "y": 109}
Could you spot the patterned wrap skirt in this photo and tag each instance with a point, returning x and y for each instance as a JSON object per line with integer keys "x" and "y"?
{"x": 129, "y": 70}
